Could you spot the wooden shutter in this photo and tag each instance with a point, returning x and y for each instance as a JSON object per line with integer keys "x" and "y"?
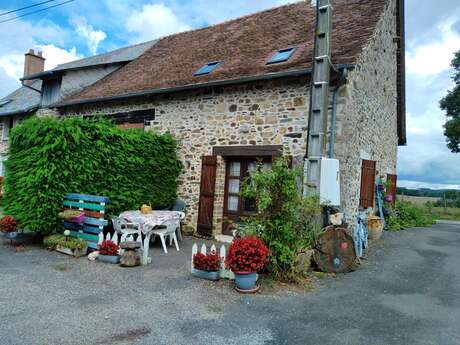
{"x": 391, "y": 188}
{"x": 207, "y": 187}
{"x": 367, "y": 183}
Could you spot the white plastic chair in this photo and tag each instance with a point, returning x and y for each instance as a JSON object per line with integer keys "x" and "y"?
{"x": 179, "y": 228}
{"x": 125, "y": 229}
{"x": 169, "y": 229}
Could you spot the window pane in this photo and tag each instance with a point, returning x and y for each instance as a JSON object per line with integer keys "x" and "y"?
{"x": 232, "y": 203}
{"x": 235, "y": 169}
{"x": 252, "y": 166}
{"x": 267, "y": 166}
{"x": 249, "y": 205}
{"x": 234, "y": 186}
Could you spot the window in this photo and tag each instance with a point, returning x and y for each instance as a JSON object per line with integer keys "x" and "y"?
{"x": 235, "y": 206}
{"x": 208, "y": 68}
{"x": 2, "y": 165}
{"x": 281, "y": 56}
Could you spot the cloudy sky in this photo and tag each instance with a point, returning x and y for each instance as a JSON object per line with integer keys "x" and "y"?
{"x": 85, "y": 27}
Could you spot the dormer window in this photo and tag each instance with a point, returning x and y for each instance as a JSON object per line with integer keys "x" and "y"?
{"x": 208, "y": 68}
{"x": 281, "y": 56}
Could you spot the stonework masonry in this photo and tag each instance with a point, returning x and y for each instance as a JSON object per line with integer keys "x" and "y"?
{"x": 366, "y": 112}
{"x": 251, "y": 114}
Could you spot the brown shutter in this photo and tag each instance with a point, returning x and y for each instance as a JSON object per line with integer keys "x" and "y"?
{"x": 207, "y": 187}
{"x": 367, "y": 183}
{"x": 391, "y": 186}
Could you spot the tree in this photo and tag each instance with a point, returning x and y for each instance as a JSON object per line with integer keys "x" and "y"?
{"x": 451, "y": 104}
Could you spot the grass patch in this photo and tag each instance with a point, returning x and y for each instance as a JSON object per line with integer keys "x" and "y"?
{"x": 450, "y": 213}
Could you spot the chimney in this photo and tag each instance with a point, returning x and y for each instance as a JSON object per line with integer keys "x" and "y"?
{"x": 33, "y": 63}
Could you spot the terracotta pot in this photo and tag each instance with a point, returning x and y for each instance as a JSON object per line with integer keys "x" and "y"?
{"x": 374, "y": 227}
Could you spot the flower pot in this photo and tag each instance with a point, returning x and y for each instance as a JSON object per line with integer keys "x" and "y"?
{"x": 73, "y": 252}
{"x": 245, "y": 280}
{"x": 205, "y": 274}
{"x": 111, "y": 259}
{"x": 374, "y": 227}
{"x": 11, "y": 235}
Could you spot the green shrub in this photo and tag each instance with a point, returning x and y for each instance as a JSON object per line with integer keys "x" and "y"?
{"x": 52, "y": 241}
{"x": 407, "y": 215}
{"x": 285, "y": 220}
{"x": 51, "y": 157}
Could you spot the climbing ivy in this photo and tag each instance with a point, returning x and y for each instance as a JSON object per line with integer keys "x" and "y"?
{"x": 50, "y": 157}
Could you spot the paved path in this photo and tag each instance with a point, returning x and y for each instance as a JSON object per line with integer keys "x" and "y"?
{"x": 408, "y": 292}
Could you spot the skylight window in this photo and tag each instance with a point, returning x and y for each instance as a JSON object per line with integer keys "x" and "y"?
{"x": 208, "y": 68}
{"x": 281, "y": 55}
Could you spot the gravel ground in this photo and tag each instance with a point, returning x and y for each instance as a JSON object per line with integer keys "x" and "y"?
{"x": 407, "y": 292}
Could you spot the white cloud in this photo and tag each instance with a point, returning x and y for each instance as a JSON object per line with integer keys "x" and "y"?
{"x": 434, "y": 57}
{"x": 55, "y": 55}
{"x": 154, "y": 21}
{"x": 93, "y": 37}
{"x": 24, "y": 35}
{"x": 417, "y": 185}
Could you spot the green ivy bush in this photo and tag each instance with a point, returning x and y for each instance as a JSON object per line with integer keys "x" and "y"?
{"x": 407, "y": 215}
{"x": 285, "y": 220}
{"x": 50, "y": 157}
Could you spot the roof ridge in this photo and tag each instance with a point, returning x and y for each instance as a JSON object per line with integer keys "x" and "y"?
{"x": 107, "y": 52}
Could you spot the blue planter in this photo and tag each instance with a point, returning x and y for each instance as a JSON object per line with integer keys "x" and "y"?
{"x": 205, "y": 274}
{"x": 245, "y": 281}
{"x": 111, "y": 259}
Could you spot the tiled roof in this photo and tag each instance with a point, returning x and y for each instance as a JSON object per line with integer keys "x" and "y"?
{"x": 244, "y": 45}
{"x": 22, "y": 100}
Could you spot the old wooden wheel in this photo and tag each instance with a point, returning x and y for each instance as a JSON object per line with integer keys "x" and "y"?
{"x": 335, "y": 250}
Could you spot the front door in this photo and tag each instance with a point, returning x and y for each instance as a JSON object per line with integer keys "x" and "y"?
{"x": 235, "y": 206}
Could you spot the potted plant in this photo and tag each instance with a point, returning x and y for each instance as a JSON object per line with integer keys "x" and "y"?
{"x": 66, "y": 245}
{"x": 73, "y": 216}
{"x": 108, "y": 252}
{"x": 246, "y": 256}
{"x": 206, "y": 266}
{"x": 8, "y": 227}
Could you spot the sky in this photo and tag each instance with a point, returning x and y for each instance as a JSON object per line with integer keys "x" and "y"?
{"x": 87, "y": 27}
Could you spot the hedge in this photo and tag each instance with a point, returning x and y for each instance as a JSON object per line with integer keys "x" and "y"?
{"x": 50, "y": 157}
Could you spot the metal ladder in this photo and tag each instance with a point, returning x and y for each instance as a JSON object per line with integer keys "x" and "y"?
{"x": 319, "y": 97}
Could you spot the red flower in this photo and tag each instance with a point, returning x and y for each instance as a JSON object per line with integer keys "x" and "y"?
{"x": 247, "y": 254}
{"x": 108, "y": 247}
{"x": 8, "y": 224}
{"x": 207, "y": 262}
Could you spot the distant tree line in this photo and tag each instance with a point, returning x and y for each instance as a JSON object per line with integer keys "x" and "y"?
{"x": 448, "y": 197}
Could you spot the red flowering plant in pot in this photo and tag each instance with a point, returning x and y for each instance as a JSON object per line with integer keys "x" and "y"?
{"x": 8, "y": 226}
{"x": 108, "y": 252}
{"x": 206, "y": 266}
{"x": 246, "y": 256}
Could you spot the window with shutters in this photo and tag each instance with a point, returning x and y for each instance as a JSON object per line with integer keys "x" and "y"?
{"x": 367, "y": 183}
{"x": 235, "y": 206}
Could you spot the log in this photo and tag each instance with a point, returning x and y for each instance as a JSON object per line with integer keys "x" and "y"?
{"x": 334, "y": 250}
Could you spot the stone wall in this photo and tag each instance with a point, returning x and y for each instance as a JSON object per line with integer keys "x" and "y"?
{"x": 366, "y": 112}
{"x": 252, "y": 114}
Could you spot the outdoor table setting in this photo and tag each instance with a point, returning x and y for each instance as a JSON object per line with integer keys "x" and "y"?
{"x": 148, "y": 222}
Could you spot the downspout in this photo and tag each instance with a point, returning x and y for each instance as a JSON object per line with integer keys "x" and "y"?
{"x": 341, "y": 82}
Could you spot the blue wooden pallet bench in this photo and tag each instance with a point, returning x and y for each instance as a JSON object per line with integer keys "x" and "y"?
{"x": 94, "y": 208}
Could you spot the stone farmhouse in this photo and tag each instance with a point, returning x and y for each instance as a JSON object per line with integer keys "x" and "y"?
{"x": 238, "y": 92}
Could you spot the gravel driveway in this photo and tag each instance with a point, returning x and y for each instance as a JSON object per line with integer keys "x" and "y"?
{"x": 407, "y": 292}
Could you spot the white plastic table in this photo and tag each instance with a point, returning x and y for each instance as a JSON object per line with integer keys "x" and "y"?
{"x": 147, "y": 222}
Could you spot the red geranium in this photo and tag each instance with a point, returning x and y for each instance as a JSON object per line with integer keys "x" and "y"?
{"x": 8, "y": 224}
{"x": 207, "y": 262}
{"x": 108, "y": 247}
{"x": 247, "y": 254}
